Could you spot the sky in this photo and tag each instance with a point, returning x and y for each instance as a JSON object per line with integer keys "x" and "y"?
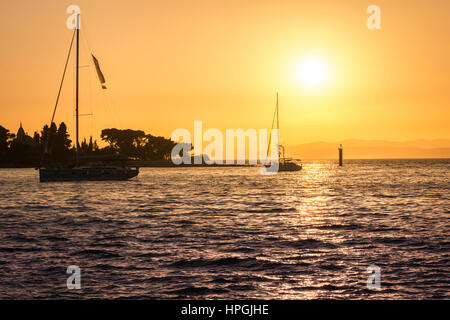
{"x": 168, "y": 63}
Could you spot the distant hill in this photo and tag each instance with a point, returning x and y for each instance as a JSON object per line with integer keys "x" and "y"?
{"x": 372, "y": 149}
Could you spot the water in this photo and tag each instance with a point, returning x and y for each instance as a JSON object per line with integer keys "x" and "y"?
{"x": 231, "y": 233}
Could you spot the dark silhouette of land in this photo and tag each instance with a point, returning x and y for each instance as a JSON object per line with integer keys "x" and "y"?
{"x": 53, "y": 146}
{"x": 146, "y": 150}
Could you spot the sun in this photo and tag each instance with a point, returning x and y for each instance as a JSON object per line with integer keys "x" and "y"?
{"x": 312, "y": 73}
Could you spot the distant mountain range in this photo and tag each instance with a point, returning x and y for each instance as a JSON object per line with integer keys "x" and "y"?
{"x": 372, "y": 149}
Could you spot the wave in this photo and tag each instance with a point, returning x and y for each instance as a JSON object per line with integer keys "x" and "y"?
{"x": 352, "y": 226}
{"x": 248, "y": 263}
{"x": 95, "y": 252}
{"x": 308, "y": 244}
{"x": 11, "y": 249}
{"x": 198, "y": 291}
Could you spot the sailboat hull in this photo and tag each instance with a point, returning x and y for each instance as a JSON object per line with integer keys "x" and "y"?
{"x": 289, "y": 166}
{"x": 87, "y": 174}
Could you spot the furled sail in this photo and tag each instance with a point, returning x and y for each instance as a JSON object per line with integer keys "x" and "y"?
{"x": 101, "y": 77}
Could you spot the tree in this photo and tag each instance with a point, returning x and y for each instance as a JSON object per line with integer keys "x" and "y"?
{"x": 47, "y": 138}
{"x": 90, "y": 147}
{"x": 137, "y": 144}
{"x": 126, "y": 142}
{"x": 5, "y": 139}
{"x": 37, "y": 138}
{"x": 157, "y": 148}
{"x": 55, "y": 143}
{"x": 61, "y": 145}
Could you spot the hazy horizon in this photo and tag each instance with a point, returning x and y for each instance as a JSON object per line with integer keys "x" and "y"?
{"x": 355, "y": 149}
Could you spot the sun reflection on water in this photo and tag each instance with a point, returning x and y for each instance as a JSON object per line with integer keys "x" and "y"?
{"x": 230, "y": 233}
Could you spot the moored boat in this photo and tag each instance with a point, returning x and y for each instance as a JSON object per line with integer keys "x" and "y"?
{"x": 284, "y": 164}
{"x": 75, "y": 171}
{"x": 100, "y": 173}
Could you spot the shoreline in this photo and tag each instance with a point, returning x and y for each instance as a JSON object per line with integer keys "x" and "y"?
{"x": 169, "y": 164}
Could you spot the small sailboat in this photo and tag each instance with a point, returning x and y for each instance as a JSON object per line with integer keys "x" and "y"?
{"x": 285, "y": 164}
{"x": 77, "y": 172}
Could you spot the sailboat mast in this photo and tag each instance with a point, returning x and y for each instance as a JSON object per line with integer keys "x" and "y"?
{"x": 77, "y": 158}
{"x": 278, "y": 120}
{"x": 278, "y": 131}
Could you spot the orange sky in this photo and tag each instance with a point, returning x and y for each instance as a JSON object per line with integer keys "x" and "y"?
{"x": 168, "y": 63}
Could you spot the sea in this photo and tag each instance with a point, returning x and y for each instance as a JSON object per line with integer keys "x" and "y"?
{"x": 372, "y": 229}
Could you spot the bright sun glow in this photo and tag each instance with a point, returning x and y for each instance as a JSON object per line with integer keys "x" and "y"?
{"x": 312, "y": 73}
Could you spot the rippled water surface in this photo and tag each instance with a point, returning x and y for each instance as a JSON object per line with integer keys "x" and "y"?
{"x": 231, "y": 233}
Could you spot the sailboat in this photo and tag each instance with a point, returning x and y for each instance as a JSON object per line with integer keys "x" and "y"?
{"x": 285, "y": 164}
{"x": 78, "y": 172}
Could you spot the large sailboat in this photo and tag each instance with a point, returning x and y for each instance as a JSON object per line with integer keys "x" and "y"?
{"x": 285, "y": 164}
{"x": 77, "y": 171}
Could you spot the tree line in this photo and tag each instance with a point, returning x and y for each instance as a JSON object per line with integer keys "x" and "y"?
{"x": 53, "y": 144}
